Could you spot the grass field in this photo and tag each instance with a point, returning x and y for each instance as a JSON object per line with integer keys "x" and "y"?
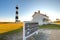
{"x": 50, "y": 26}
{"x": 5, "y": 27}
{"x": 11, "y": 26}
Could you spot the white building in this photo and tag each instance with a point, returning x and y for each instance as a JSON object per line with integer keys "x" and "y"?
{"x": 40, "y": 18}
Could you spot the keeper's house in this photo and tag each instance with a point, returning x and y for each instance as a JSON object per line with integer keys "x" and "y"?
{"x": 40, "y": 18}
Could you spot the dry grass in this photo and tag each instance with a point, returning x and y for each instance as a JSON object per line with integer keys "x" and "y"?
{"x": 57, "y": 23}
{"x": 5, "y": 27}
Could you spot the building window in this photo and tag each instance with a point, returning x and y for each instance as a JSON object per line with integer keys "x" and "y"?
{"x": 45, "y": 19}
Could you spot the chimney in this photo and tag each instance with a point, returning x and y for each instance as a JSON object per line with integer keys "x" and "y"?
{"x": 35, "y": 12}
{"x": 38, "y": 11}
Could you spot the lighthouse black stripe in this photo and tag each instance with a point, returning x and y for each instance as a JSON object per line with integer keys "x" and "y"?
{"x": 16, "y": 17}
{"x": 16, "y": 12}
{"x": 16, "y": 7}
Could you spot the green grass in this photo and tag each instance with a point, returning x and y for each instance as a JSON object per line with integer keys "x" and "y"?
{"x": 50, "y": 26}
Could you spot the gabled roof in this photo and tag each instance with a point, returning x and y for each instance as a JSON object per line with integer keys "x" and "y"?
{"x": 39, "y": 13}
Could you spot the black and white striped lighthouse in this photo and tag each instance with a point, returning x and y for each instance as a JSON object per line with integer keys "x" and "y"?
{"x": 16, "y": 17}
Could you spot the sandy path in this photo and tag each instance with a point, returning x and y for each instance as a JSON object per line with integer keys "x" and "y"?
{"x": 55, "y": 35}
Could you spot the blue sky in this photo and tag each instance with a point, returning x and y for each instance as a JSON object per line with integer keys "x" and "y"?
{"x": 27, "y": 9}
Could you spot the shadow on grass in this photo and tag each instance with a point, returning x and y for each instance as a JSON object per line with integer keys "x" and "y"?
{"x": 2, "y": 36}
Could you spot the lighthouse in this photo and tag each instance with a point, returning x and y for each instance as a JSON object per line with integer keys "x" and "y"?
{"x": 16, "y": 17}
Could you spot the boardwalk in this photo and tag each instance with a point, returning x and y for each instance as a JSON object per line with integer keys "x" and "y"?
{"x": 47, "y": 34}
